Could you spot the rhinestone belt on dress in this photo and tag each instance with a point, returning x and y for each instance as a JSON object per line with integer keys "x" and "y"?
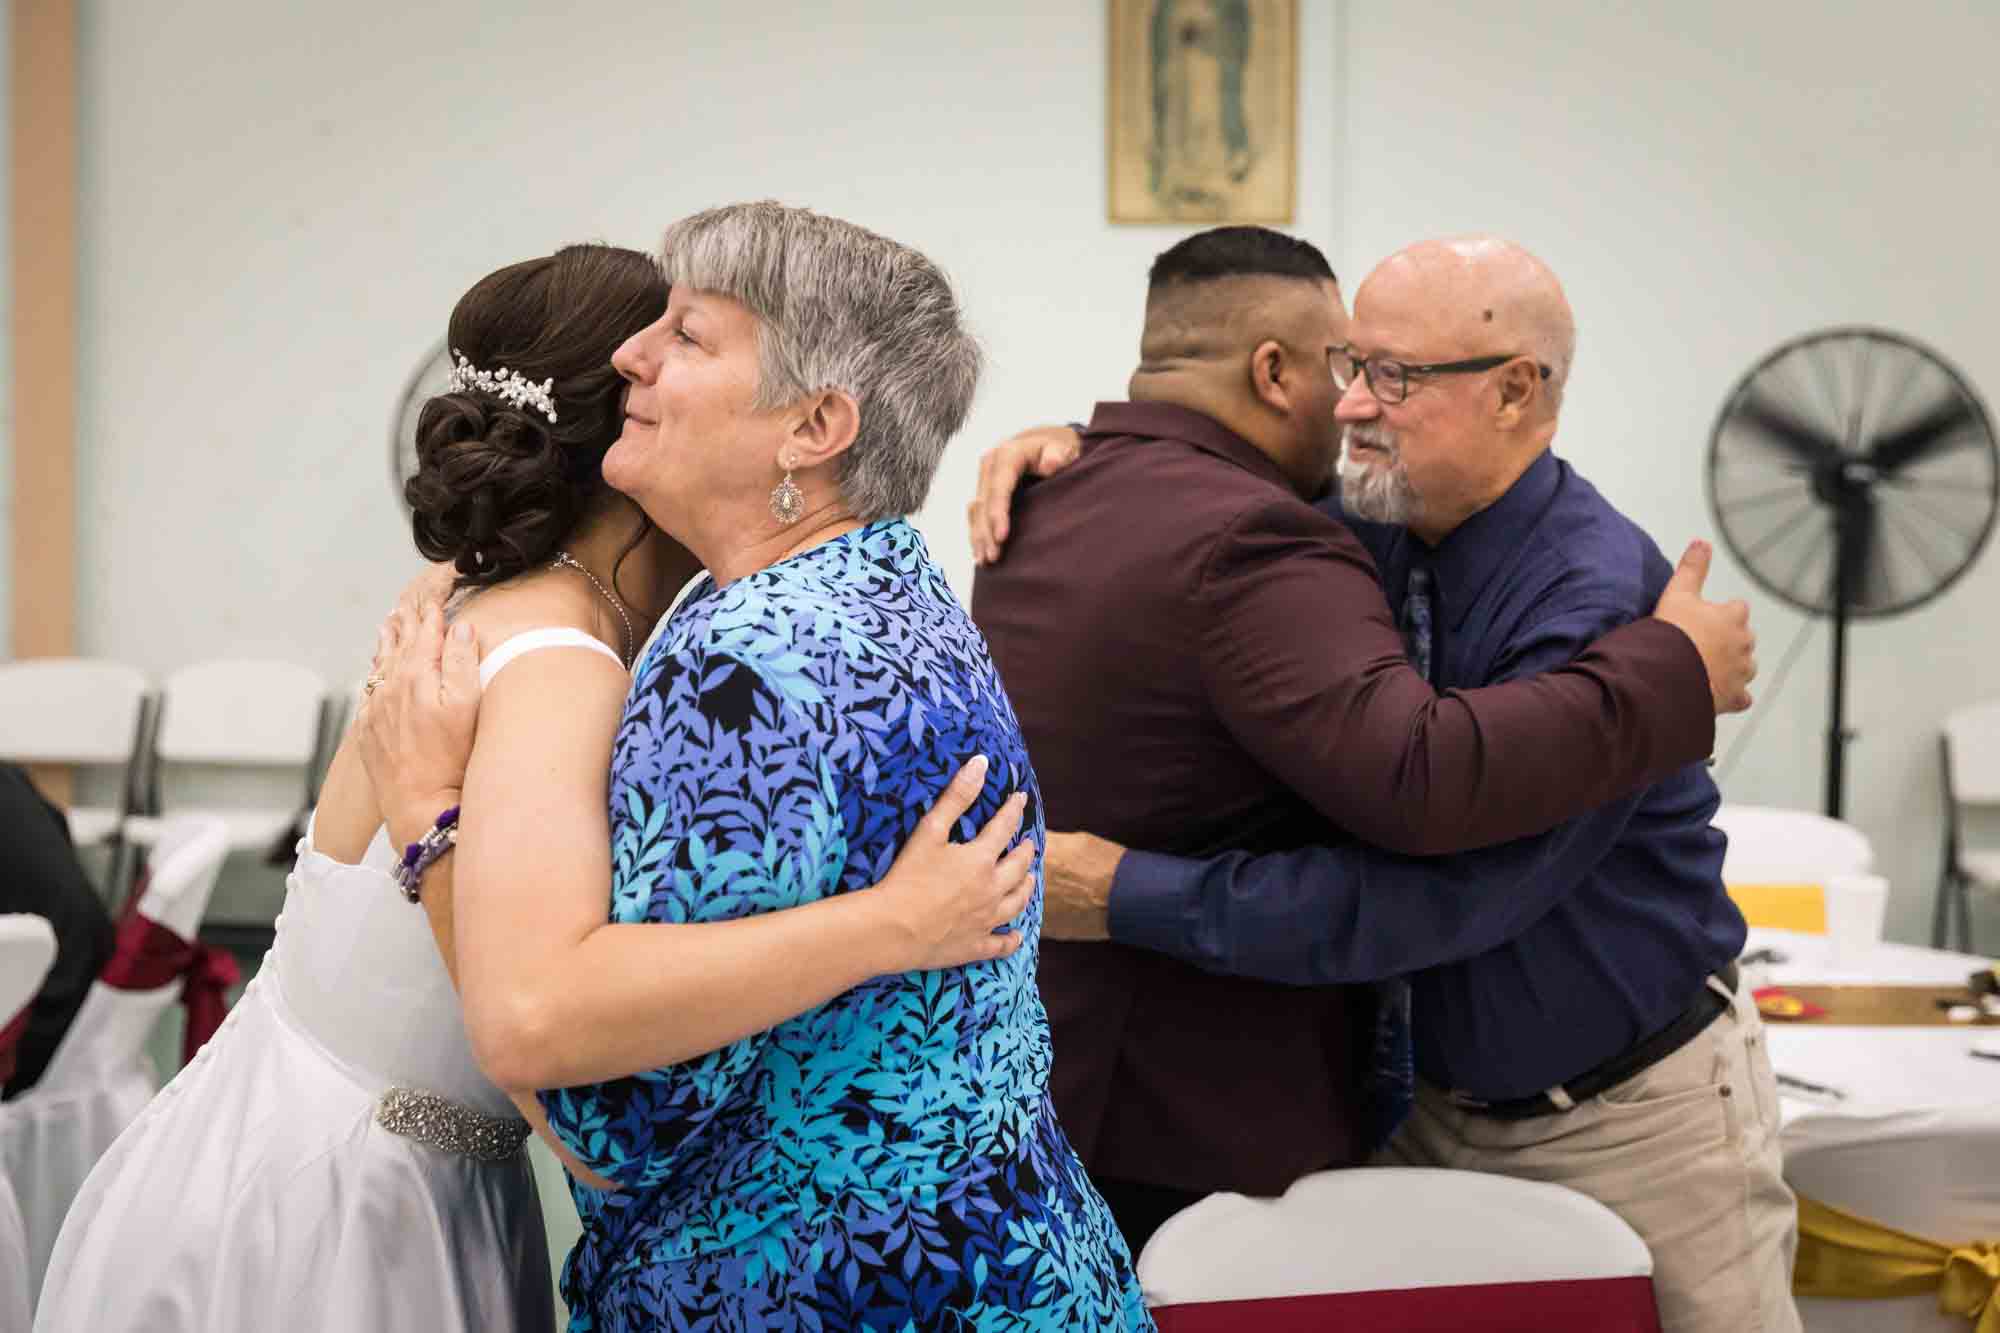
{"x": 441, "y": 1123}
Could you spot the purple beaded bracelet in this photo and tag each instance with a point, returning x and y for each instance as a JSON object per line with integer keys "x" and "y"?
{"x": 421, "y": 855}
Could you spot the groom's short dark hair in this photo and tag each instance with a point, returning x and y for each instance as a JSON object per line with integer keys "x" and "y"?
{"x": 1239, "y": 252}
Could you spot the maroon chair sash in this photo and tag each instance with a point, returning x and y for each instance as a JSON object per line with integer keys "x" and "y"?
{"x": 1589, "y": 1305}
{"x": 10, "y": 1041}
{"x": 149, "y": 956}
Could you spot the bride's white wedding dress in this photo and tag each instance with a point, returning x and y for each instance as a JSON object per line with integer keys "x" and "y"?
{"x": 333, "y": 1158}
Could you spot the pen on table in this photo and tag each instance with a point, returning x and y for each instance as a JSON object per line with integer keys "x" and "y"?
{"x": 1820, "y": 1089}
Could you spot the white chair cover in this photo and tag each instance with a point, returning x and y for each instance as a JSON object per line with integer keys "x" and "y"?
{"x": 1386, "y": 1228}
{"x": 16, "y": 1310}
{"x": 27, "y": 951}
{"x": 1933, "y": 1173}
{"x": 101, "y": 1075}
{"x": 1772, "y": 846}
{"x": 186, "y": 861}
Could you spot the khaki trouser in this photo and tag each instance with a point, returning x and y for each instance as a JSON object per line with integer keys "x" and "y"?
{"x": 1686, "y": 1152}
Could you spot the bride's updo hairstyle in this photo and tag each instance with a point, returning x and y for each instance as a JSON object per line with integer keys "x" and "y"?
{"x": 499, "y": 486}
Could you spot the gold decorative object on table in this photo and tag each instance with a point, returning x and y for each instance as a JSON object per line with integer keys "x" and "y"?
{"x": 1203, "y": 110}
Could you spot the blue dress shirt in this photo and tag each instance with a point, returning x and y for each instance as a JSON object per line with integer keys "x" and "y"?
{"x": 1529, "y": 962}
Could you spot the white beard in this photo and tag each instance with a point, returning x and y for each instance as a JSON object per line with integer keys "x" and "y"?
{"x": 1378, "y": 492}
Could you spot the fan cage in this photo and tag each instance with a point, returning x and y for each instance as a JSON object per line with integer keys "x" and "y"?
{"x": 1818, "y": 513}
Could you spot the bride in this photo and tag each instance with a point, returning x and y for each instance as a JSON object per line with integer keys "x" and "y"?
{"x": 335, "y": 1158}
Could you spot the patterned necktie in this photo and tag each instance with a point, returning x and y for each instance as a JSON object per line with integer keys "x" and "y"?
{"x": 1391, "y": 1082}
{"x": 1415, "y": 621}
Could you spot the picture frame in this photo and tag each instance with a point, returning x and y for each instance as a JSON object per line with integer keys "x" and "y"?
{"x": 1202, "y": 111}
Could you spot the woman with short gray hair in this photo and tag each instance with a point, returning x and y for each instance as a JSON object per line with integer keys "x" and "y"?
{"x": 890, "y": 1159}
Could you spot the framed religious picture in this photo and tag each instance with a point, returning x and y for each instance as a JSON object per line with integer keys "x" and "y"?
{"x": 1203, "y": 122}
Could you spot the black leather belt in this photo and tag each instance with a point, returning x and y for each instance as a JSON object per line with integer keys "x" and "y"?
{"x": 1639, "y": 1057}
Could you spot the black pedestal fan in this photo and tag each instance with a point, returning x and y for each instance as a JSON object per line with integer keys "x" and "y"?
{"x": 1853, "y": 472}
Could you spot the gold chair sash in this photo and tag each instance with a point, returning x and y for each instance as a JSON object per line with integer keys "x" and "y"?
{"x": 1841, "y": 1255}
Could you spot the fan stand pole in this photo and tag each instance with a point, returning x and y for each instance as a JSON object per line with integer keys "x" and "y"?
{"x": 1836, "y": 730}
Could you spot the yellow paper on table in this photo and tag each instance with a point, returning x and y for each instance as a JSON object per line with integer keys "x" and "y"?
{"x": 1800, "y": 907}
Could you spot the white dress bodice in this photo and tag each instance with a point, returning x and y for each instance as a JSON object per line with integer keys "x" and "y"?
{"x": 265, "y": 1187}
{"x": 360, "y": 969}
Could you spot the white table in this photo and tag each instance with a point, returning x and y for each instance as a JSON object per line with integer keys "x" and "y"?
{"x": 1880, "y": 1069}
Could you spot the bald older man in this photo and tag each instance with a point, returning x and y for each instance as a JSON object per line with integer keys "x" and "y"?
{"x": 1583, "y": 1023}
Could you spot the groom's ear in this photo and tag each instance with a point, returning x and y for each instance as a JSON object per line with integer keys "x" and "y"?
{"x": 832, "y": 419}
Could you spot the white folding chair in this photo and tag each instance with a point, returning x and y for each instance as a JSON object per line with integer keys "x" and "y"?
{"x": 1768, "y": 845}
{"x": 1970, "y": 746}
{"x": 1932, "y": 1174}
{"x": 260, "y": 716}
{"x": 76, "y": 710}
{"x": 27, "y": 951}
{"x": 101, "y": 1075}
{"x": 1400, "y": 1248}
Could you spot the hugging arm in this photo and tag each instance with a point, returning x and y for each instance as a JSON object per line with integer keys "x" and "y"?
{"x": 1306, "y": 668}
{"x": 554, "y": 995}
{"x": 1353, "y": 913}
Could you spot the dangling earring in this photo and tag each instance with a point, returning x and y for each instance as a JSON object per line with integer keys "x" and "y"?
{"x": 788, "y": 502}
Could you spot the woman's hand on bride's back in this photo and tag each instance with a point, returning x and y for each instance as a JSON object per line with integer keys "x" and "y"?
{"x": 433, "y": 587}
{"x": 948, "y": 899}
{"x": 417, "y": 722}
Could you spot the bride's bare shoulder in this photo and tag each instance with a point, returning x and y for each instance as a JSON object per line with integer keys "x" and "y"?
{"x": 498, "y": 614}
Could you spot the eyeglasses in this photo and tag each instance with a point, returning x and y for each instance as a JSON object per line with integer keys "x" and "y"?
{"x": 1389, "y": 379}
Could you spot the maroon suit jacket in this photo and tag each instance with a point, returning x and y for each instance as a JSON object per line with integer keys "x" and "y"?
{"x": 1200, "y": 661}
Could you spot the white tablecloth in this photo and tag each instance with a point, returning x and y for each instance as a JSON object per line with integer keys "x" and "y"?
{"x": 1880, "y": 1069}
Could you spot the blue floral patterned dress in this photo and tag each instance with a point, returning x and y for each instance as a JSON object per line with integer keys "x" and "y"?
{"x": 889, "y": 1160}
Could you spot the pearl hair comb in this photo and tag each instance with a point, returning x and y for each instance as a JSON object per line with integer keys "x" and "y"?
{"x": 503, "y": 384}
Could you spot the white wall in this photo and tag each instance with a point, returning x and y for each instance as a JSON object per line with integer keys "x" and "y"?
{"x": 280, "y": 204}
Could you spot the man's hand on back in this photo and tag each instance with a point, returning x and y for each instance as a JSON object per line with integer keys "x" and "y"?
{"x": 1077, "y": 870}
{"x": 1042, "y": 450}
{"x": 1720, "y": 630}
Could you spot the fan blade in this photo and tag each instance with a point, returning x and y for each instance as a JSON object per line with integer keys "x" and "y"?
{"x": 1786, "y": 431}
{"x": 1802, "y": 590}
{"x": 1921, "y": 437}
{"x": 1910, "y": 532}
{"x": 1939, "y": 519}
{"x": 1769, "y": 540}
{"x": 1764, "y": 498}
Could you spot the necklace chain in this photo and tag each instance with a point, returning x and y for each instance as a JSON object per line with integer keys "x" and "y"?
{"x": 565, "y": 558}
